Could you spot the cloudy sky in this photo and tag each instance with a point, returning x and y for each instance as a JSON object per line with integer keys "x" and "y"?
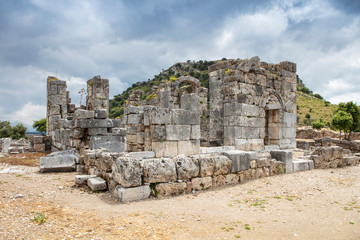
{"x": 132, "y": 40}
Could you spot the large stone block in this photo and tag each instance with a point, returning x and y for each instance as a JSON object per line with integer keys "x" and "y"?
{"x": 82, "y": 179}
{"x": 96, "y": 123}
{"x": 160, "y": 116}
{"x": 222, "y": 165}
{"x": 39, "y": 147}
{"x": 97, "y": 131}
{"x": 177, "y": 132}
{"x": 170, "y": 189}
{"x": 184, "y": 117}
{"x": 206, "y": 163}
{"x": 135, "y": 118}
{"x": 240, "y": 159}
{"x": 201, "y": 183}
{"x": 189, "y": 147}
{"x": 60, "y": 163}
{"x": 302, "y": 165}
{"x": 159, "y": 170}
{"x": 111, "y": 143}
{"x": 127, "y": 171}
{"x": 36, "y": 139}
{"x": 100, "y": 114}
{"x": 83, "y": 114}
{"x": 158, "y": 133}
{"x": 96, "y": 184}
{"x": 186, "y": 167}
{"x": 284, "y": 156}
{"x": 195, "y": 132}
{"x": 132, "y": 194}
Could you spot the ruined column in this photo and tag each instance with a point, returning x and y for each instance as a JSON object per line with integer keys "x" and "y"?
{"x": 98, "y": 94}
{"x": 56, "y": 104}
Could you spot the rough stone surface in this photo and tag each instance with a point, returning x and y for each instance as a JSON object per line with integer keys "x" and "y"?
{"x": 97, "y": 184}
{"x": 206, "y": 163}
{"x": 112, "y": 143}
{"x": 201, "y": 183}
{"x": 240, "y": 159}
{"x": 222, "y": 165}
{"x": 284, "y": 156}
{"x": 170, "y": 189}
{"x": 186, "y": 167}
{"x": 60, "y": 163}
{"x": 132, "y": 194}
{"x": 159, "y": 170}
{"x": 143, "y": 154}
{"x": 127, "y": 171}
{"x": 82, "y": 179}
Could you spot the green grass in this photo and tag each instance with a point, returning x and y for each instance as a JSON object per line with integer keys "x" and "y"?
{"x": 318, "y": 107}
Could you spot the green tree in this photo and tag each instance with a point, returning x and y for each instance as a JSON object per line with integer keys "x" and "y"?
{"x": 5, "y": 129}
{"x": 342, "y": 121}
{"x": 18, "y": 131}
{"x": 354, "y": 111}
{"x": 40, "y": 125}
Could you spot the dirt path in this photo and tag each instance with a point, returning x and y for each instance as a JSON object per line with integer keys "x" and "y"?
{"x": 319, "y": 204}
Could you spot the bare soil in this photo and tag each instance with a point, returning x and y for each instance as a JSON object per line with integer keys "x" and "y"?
{"x": 318, "y": 204}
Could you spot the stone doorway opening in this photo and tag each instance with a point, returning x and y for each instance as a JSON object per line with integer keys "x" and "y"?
{"x": 272, "y": 127}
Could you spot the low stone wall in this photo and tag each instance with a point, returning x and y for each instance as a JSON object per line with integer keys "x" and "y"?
{"x": 40, "y": 143}
{"x": 135, "y": 176}
{"x": 353, "y": 146}
{"x": 310, "y": 133}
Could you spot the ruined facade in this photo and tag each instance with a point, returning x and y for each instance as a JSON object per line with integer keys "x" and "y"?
{"x": 253, "y": 104}
{"x": 84, "y": 127}
{"x": 179, "y": 137}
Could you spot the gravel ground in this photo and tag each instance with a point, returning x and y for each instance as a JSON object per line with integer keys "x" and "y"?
{"x": 318, "y": 204}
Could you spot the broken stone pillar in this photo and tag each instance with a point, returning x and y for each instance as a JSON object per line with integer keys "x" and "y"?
{"x": 98, "y": 94}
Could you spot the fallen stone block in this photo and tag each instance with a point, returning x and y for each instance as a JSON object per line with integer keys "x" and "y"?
{"x": 96, "y": 184}
{"x": 62, "y": 161}
{"x": 132, "y": 194}
{"x": 284, "y": 156}
{"x": 82, "y": 179}
{"x": 302, "y": 165}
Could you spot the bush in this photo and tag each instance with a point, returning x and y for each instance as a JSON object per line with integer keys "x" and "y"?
{"x": 318, "y": 96}
{"x": 317, "y": 125}
{"x": 308, "y": 116}
{"x": 16, "y": 132}
{"x": 305, "y": 90}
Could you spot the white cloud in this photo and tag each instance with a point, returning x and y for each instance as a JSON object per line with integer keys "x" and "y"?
{"x": 27, "y": 114}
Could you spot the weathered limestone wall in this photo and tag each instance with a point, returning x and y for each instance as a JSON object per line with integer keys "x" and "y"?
{"x": 168, "y": 120}
{"x": 353, "y": 146}
{"x": 83, "y": 127}
{"x": 253, "y": 104}
{"x": 135, "y": 176}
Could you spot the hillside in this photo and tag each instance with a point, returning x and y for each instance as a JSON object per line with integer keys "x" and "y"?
{"x": 307, "y": 102}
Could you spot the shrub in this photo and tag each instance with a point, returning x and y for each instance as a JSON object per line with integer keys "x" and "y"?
{"x": 317, "y": 125}
{"x": 308, "y": 116}
{"x": 318, "y": 96}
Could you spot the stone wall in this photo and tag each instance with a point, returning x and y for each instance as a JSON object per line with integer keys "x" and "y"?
{"x": 253, "y": 104}
{"x": 353, "y": 146}
{"x": 168, "y": 120}
{"x": 310, "y": 133}
{"x": 137, "y": 175}
{"x": 82, "y": 127}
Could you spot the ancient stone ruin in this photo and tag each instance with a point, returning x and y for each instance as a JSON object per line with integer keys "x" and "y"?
{"x": 182, "y": 138}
